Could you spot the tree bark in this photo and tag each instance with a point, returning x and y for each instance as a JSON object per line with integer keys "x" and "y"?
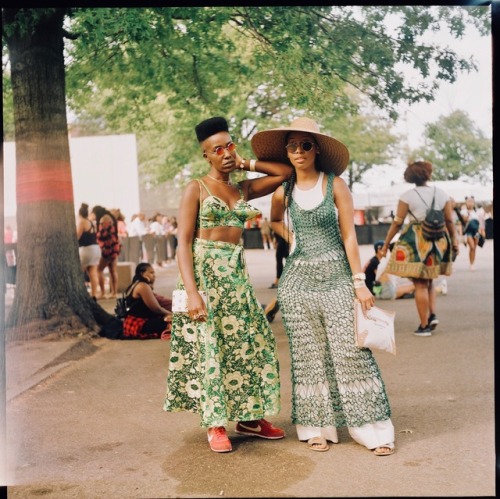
{"x": 50, "y": 287}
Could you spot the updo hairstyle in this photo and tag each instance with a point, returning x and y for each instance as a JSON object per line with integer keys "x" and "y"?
{"x": 418, "y": 172}
{"x": 84, "y": 210}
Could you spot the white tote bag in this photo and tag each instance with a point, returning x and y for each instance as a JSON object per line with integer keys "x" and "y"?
{"x": 374, "y": 329}
{"x": 179, "y": 300}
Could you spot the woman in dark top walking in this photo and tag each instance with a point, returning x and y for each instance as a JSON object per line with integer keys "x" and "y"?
{"x": 88, "y": 248}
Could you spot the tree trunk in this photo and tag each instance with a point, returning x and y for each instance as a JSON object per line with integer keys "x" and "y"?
{"x": 50, "y": 289}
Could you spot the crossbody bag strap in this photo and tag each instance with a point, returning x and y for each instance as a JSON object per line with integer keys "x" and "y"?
{"x": 423, "y": 201}
{"x": 433, "y": 198}
{"x": 410, "y": 212}
{"x": 131, "y": 290}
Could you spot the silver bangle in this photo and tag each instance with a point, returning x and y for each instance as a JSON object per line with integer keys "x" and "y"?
{"x": 360, "y": 276}
{"x": 252, "y": 164}
{"x": 359, "y": 284}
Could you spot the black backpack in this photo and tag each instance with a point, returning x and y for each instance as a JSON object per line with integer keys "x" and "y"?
{"x": 121, "y": 309}
{"x": 433, "y": 226}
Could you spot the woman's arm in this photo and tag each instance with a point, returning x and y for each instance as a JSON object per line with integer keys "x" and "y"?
{"x": 186, "y": 228}
{"x": 278, "y": 225}
{"x": 401, "y": 212}
{"x": 146, "y": 293}
{"x": 345, "y": 207}
{"x": 276, "y": 174}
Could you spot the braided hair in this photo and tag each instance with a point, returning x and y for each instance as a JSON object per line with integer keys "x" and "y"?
{"x": 138, "y": 275}
{"x": 288, "y": 188}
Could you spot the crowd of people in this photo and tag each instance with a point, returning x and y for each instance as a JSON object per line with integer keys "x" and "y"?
{"x": 160, "y": 248}
{"x": 103, "y": 239}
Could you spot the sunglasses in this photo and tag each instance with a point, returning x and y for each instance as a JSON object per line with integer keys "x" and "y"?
{"x": 305, "y": 146}
{"x": 219, "y": 150}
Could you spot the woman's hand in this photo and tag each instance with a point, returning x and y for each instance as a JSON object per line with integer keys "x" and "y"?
{"x": 197, "y": 309}
{"x": 238, "y": 160}
{"x": 365, "y": 297}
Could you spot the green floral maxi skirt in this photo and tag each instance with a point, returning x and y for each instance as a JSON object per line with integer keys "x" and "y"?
{"x": 225, "y": 369}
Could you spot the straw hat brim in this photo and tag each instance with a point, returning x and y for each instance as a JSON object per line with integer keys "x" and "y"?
{"x": 269, "y": 145}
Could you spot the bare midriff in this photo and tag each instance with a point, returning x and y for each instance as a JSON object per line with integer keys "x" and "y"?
{"x": 226, "y": 234}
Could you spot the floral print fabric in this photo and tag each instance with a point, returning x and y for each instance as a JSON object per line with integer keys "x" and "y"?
{"x": 225, "y": 369}
{"x": 415, "y": 257}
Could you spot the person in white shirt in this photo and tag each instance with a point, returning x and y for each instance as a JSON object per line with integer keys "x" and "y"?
{"x": 156, "y": 227}
{"x": 158, "y": 230}
{"x": 137, "y": 226}
{"x": 413, "y": 255}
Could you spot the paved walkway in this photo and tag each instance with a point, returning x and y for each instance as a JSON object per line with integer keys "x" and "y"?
{"x": 85, "y": 417}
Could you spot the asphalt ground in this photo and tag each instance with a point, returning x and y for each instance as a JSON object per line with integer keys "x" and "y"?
{"x": 85, "y": 416}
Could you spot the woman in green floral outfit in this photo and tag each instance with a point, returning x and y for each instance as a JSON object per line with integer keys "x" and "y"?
{"x": 223, "y": 360}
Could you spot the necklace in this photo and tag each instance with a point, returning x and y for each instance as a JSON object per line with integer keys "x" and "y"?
{"x": 226, "y": 182}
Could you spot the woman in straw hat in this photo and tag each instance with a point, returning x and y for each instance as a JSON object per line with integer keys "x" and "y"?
{"x": 223, "y": 359}
{"x": 335, "y": 383}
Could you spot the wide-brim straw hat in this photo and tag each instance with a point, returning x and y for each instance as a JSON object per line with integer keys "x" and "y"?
{"x": 269, "y": 145}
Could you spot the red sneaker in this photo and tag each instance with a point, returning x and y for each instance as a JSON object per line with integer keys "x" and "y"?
{"x": 260, "y": 428}
{"x": 217, "y": 438}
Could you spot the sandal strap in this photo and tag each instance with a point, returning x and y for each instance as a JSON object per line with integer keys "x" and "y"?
{"x": 317, "y": 440}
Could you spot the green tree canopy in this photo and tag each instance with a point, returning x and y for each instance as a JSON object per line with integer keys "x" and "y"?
{"x": 457, "y": 148}
{"x": 369, "y": 137}
{"x": 158, "y": 71}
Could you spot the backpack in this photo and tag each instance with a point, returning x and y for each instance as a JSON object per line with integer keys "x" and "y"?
{"x": 121, "y": 308}
{"x": 433, "y": 226}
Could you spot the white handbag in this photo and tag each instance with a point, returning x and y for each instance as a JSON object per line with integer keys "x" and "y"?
{"x": 180, "y": 300}
{"x": 374, "y": 329}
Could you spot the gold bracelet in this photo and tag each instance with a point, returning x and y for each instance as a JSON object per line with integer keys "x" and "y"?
{"x": 252, "y": 164}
